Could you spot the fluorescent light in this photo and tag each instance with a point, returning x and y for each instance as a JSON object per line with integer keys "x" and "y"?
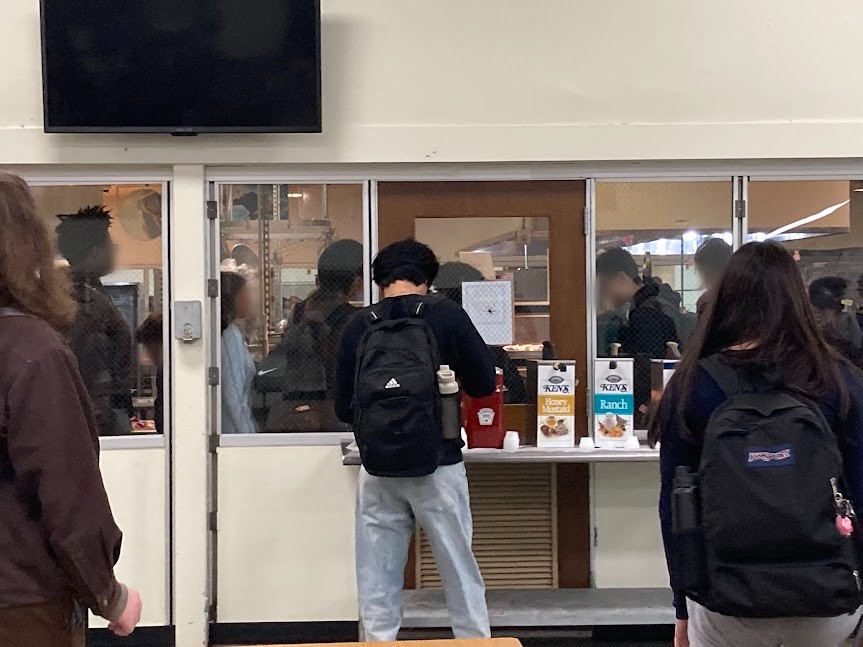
{"x": 296, "y": 195}
{"x": 805, "y": 221}
{"x": 689, "y": 236}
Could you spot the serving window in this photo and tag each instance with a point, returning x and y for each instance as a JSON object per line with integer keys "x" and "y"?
{"x": 659, "y": 247}
{"x": 110, "y": 239}
{"x": 292, "y": 275}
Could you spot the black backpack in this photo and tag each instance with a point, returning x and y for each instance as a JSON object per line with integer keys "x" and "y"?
{"x": 302, "y": 363}
{"x": 770, "y": 468}
{"x": 397, "y": 405}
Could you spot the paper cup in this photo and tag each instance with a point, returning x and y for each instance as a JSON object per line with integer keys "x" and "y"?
{"x": 511, "y": 441}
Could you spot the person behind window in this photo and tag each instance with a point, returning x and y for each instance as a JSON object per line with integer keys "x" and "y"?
{"x": 100, "y": 337}
{"x": 840, "y": 328}
{"x": 58, "y": 539}
{"x": 388, "y": 507}
{"x": 651, "y": 323}
{"x": 149, "y": 336}
{"x": 238, "y": 367}
{"x": 711, "y": 259}
{"x": 448, "y": 284}
{"x": 302, "y": 367}
{"x": 762, "y": 327}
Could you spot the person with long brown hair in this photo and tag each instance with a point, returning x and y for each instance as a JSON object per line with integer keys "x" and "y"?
{"x": 762, "y": 332}
{"x": 58, "y": 538}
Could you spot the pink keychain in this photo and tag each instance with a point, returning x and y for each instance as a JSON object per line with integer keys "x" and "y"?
{"x": 844, "y": 526}
{"x": 844, "y": 511}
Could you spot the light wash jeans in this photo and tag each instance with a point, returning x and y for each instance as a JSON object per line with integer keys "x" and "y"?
{"x": 709, "y": 629}
{"x": 387, "y": 509}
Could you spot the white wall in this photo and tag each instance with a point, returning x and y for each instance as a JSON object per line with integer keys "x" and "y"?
{"x": 507, "y": 80}
{"x": 286, "y": 535}
{"x": 628, "y": 551}
{"x": 136, "y": 483}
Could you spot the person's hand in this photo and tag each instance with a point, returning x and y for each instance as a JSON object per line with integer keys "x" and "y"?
{"x": 681, "y": 633}
{"x": 131, "y": 616}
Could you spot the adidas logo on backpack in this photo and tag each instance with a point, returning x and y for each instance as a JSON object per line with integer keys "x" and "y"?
{"x": 392, "y": 384}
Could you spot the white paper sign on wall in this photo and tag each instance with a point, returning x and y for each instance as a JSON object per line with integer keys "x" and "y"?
{"x": 490, "y": 305}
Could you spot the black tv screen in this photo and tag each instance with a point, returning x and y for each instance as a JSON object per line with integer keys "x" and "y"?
{"x": 181, "y": 66}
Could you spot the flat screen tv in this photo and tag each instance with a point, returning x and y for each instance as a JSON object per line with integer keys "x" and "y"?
{"x": 181, "y": 66}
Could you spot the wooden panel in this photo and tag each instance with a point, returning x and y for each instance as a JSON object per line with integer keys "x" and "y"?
{"x": 514, "y": 521}
{"x": 562, "y": 202}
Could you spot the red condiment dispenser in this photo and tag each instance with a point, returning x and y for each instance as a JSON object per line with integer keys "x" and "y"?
{"x": 483, "y": 418}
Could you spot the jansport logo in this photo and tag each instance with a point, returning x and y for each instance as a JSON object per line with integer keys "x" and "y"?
{"x": 770, "y": 456}
{"x": 613, "y": 384}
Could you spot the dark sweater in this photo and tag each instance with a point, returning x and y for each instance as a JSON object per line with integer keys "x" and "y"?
{"x": 459, "y": 345}
{"x": 676, "y": 451}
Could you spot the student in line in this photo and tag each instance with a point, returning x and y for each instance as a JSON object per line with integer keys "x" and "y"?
{"x": 711, "y": 259}
{"x": 386, "y": 385}
{"x": 840, "y": 328}
{"x": 774, "y": 551}
{"x": 654, "y": 319}
{"x": 99, "y": 337}
{"x": 58, "y": 539}
{"x": 238, "y": 367}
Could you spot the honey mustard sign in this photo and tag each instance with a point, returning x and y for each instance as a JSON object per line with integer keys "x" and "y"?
{"x": 556, "y": 384}
{"x": 613, "y": 402}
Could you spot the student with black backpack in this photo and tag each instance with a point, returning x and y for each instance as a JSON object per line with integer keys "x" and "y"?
{"x": 761, "y": 459}
{"x": 386, "y": 385}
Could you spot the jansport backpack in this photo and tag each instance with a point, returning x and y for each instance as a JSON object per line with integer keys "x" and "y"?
{"x": 397, "y": 407}
{"x": 771, "y": 478}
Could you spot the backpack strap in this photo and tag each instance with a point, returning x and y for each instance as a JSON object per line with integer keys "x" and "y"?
{"x": 728, "y": 378}
{"x": 11, "y": 312}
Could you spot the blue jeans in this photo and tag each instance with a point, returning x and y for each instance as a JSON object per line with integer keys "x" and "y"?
{"x": 387, "y": 510}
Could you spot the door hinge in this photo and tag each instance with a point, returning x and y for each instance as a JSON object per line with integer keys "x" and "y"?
{"x": 739, "y": 209}
{"x": 213, "y": 376}
{"x": 213, "y": 521}
{"x": 595, "y": 537}
{"x": 212, "y": 210}
{"x": 586, "y": 221}
{"x": 213, "y": 443}
{"x": 212, "y": 288}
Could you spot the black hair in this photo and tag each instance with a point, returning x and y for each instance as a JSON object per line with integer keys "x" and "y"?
{"x": 827, "y": 293}
{"x": 617, "y": 260}
{"x": 406, "y": 260}
{"x": 713, "y": 256}
{"x": 78, "y": 234}
{"x": 339, "y": 266}
{"x": 451, "y": 276}
{"x": 760, "y": 301}
{"x": 231, "y": 284}
{"x": 150, "y": 332}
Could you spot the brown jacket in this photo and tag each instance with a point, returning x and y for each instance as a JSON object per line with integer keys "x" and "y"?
{"x": 58, "y": 539}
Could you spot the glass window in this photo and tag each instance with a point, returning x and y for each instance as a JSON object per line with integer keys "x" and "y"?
{"x": 511, "y": 249}
{"x": 110, "y": 239}
{"x": 821, "y": 223}
{"x": 660, "y": 247}
{"x": 292, "y": 276}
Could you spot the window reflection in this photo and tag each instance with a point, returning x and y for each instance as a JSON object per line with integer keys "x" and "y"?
{"x": 110, "y": 239}
{"x": 821, "y": 223}
{"x": 296, "y": 249}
